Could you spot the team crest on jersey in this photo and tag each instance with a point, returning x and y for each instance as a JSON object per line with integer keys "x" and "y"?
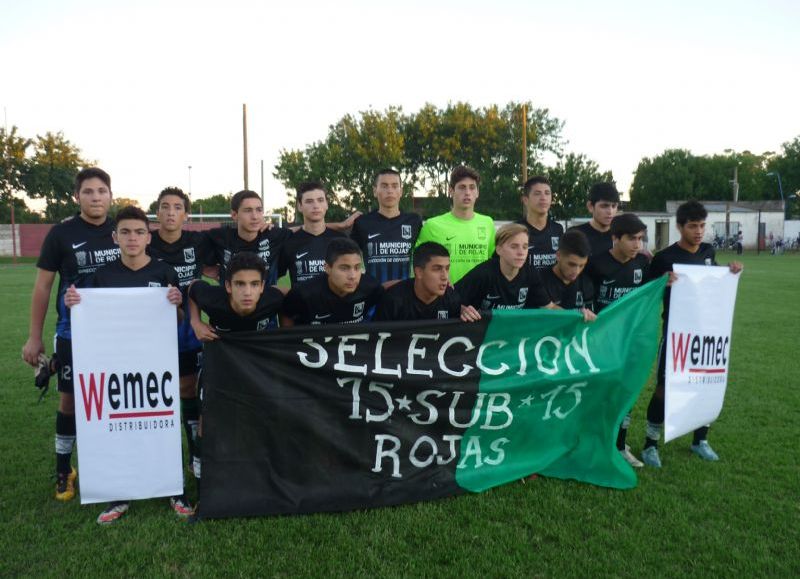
{"x": 554, "y": 243}
{"x": 708, "y": 261}
{"x": 405, "y": 231}
{"x": 80, "y": 257}
{"x": 226, "y": 256}
{"x": 442, "y": 314}
{"x": 523, "y": 294}
{"x": 637, "y": 276}
{"x": 188, "y": 254}
{"x": 579, "y": 299}
{"x": 481, "y": 233}
{"x": 153, "y": 284}
{"x": 358, "y": 309}
{"x": 262, "y": 325}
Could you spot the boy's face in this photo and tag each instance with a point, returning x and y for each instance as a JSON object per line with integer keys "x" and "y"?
{"x": 344, "y": 274}
{"x": 603, "y": 211}
{"x": 435, "y": 276}
{"x": 250, "y": 216}
{"x": 693, "y": 232}
{"x": 570, "y": 265}
{"x": 539, "y": 199}
{"x": 465, "y": 193}
{"x": 388, "y": 191}
{"x": 244, "y": 289}
{"x": 171, "y": 213}
{"x": 515, "y": 250}
{"x": 313, "y": 206}
{"x": 132, "y": 236}
{"x": 94, "y": 198}
{"x": 630, "y": 245}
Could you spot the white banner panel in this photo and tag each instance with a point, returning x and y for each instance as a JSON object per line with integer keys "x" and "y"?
{"x": 127, "y": 394}
{"x": 698, "y": 346}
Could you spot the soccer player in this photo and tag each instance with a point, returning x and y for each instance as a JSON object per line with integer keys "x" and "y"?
{"x": 506, "y": 282}
{"x": 341, "y": 296}
{"x": 303, "y": 255}
{"x": 186, "y": 252}
{"x": 690, "y": 249}
{"x": 614, "y": 274}
{"x": 467, "y": 235}
{"x": 134, "y": 268}
{"x": 602, "y": 205}
{"x": 428, "y": 296}
{"x": 543, "y": 232}
{"x": 74, "y": 249}
{"x": 387, "y": 235}
{"x": 567, "y": 285}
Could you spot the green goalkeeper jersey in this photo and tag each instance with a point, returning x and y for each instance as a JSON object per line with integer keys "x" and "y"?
{"x": 469, "y": 241}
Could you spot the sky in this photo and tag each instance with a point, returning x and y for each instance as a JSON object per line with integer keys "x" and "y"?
{"x": 147, "y": 89}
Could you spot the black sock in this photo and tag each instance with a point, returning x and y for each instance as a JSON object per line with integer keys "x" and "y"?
{"x": 655, "y": 418}
{"x": 190, "y": 412}
{"x": 700, "y": 434}
{"x": 65, "y": 441}
{"x": 622, "y": 434}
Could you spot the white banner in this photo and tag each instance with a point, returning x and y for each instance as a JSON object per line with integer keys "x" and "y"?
{"x": 127, "y": 394}
{"x": 698, "y": 347}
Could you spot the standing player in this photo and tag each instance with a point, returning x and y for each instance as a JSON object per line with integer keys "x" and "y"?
{"x": 74, "y": 249}
{"x": 341, "y": 296}
{"x": 387, "y": 235}
{"x": 186, "y": 252}
{"x": 303, "y": 255}
{"x": 428, "y": 296}
{"x": 134, "y": 268}
{"x": 467, "y": 235}
{"x": 602, "y": 205}
{"x": 567, "y": 285}
{"x": 543, "y": 232}
{"x": 690, "y": 249}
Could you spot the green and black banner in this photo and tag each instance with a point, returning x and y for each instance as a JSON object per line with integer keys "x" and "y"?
{"x": 334, "y": 418}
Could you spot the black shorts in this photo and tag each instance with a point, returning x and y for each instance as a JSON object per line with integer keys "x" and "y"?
{"x": 64, "y": 352}
{"x": 189, "y": 362}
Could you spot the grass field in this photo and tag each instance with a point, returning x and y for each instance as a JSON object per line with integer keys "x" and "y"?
{"x": 737, "y": 517}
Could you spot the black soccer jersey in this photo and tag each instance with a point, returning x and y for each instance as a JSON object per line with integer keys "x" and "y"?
{"x": 400, "y": 302}
{"x": 117, "y": 274}
{"x": 613, "y": 279}
{"x": 669, "y": 256}
{"x": 313, "y": 302}
{"x": 599, "y": 242}
{"x": 486, "y": 288}
{"x": 386, "y": 243}
{"x": 543, "y": 243}
{"x": 303, "y": 254}
{"x": 576, "y": 295}
{"x": 225, "y": 243}
{"x": 75, "y": 249}
{"x": 215, "y": 302}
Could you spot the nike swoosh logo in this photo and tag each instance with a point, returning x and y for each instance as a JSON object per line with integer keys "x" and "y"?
{"x": 77, "y": 245}
{"x": 299, "y": 255}
{"x": 492, "y": 297}
{"x": 450, "y": 238}
{"x": 319, "y": 317}
{"x": 608, "y": 281}
{"x": 373, "y": 235}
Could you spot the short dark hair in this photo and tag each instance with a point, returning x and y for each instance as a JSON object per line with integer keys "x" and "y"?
{"x": 427, "y": 251}
{"x": 307, "y": 186}
{"x": 626, "y": 224}
{"x": 463, "y": 172}
{"x": 238, "y": 197}
{"x": 177, "y": 192}
{"x": 131, "y": 212}
{"x": 574, "y": 242}
{"x": 690, "y": 211}
{"x": 91, "y": 173}
{"x": 246, "y": 260}
{"x": 339, "y": 247}
{"x": 535, "y": 180}
{"x": 387, "y": 171}
{"x": 603, "y": 192}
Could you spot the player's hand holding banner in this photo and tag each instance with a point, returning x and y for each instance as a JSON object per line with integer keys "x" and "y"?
{"x": 125, "y": 354}
{"x": 698, "y": 346}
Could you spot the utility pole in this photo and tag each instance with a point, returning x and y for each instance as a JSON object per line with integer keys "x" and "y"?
{"x": 244, "y": 139}
{"x": 735, "y": 185}
{"x": 524, "y": 143}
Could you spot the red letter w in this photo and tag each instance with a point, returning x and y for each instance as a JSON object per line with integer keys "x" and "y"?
{"x": 93, "y": 396}
{"x": 679, "y": 352}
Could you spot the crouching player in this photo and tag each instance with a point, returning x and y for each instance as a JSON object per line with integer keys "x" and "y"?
{"x": 567, "y": 285}
{"x": 134, "y": 269}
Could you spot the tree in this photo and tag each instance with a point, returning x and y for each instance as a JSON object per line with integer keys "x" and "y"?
{"x": 13, "y": 149}
{"x": 218, "y": 203}
{"x": 657, "y": 180}
{"x": 570, "y": 180}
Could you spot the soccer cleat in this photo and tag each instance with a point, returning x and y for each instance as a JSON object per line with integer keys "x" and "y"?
{"x": 181, "y": 506}
{"x": 704, "y": 451}
{"x": 65, "y": 485}
{"x": 114, "y": 511}
{"x": 650, "y": 457}
{"x": 630, "y": 458}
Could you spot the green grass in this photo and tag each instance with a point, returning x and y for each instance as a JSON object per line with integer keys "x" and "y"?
{"x": 738, "y": 517}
